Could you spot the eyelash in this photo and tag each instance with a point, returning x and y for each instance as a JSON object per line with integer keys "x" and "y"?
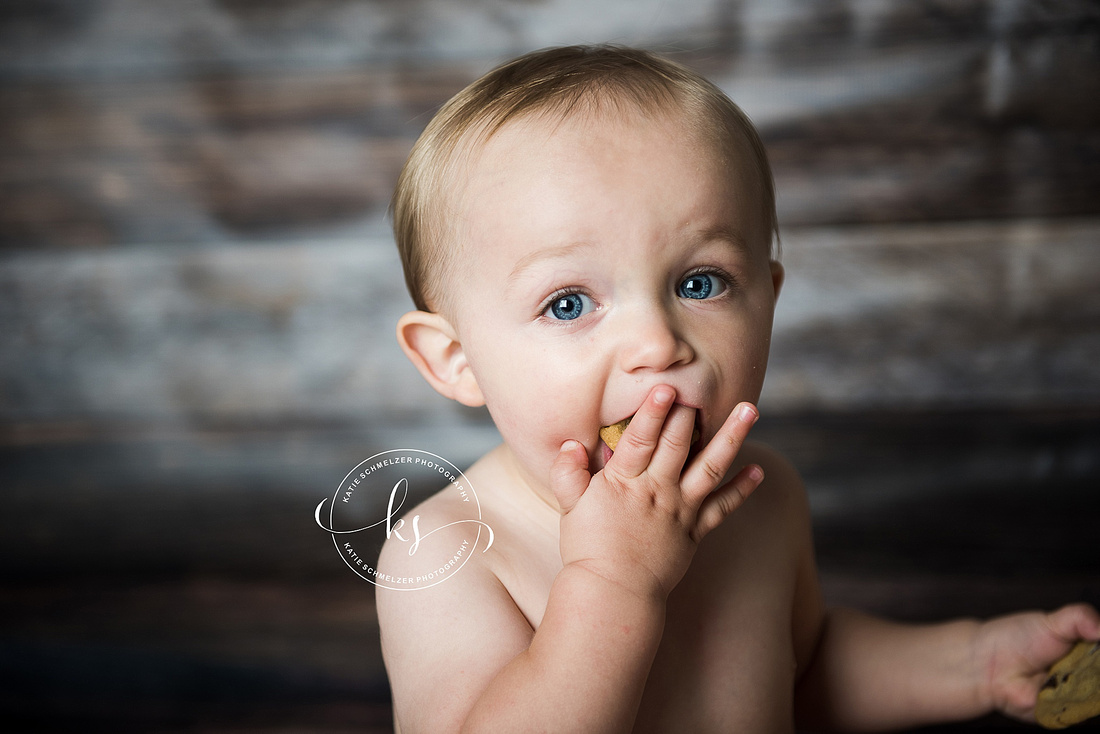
{"x": 556, "y": 296}
{"x": 717, "y": 272}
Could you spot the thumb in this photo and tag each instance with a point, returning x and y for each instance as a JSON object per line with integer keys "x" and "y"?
{"x": 569, "y": 475}
{"x": 1075, "y": 622}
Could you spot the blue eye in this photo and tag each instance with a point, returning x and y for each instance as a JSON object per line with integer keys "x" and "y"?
{"x": 699, "y": 286}
{"x": 569, "y": 306}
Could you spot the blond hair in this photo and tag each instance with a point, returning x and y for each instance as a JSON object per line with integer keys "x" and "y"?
{"x": 558, "y": 81}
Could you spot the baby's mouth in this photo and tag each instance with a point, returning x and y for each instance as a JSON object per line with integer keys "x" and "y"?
{"x": 611, "y": 434}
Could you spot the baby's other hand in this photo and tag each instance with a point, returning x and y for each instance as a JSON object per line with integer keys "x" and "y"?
{"x": 1016, "y": 651}
{"x": 638, "y": 521}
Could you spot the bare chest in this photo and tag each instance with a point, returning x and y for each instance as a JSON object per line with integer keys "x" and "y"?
{"x": 724, "y": 665}
{"x": 726, "y": 661}
{"x": 727, "y": 658}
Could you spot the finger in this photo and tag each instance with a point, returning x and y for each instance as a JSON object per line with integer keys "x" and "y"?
{"x": 673, "y": 444}
{"x": 569, "y": 475}
{"x": 725, "y": 500}
{"x": 635, "y": 449}
{"x": 708, "y": 469}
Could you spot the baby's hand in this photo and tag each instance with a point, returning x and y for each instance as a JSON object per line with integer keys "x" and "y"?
{"x": 638, "y": 522}
{"x": 1017, "y": 650}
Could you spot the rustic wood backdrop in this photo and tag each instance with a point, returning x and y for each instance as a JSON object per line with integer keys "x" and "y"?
{"x": 198, "y": 290}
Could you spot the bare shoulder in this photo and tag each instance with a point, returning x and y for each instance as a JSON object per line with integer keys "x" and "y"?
{"x": 453, "y": 635}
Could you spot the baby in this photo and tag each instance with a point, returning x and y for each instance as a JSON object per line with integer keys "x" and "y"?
{"x": 587, "y": 236}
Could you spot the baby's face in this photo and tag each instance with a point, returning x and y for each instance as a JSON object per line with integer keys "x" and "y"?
{"x": 600, "y": 258}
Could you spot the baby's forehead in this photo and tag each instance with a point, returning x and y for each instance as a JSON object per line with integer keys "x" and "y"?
{"x": 512, "y": 150}
{"x": 515, "y": 147}
{"x": 528, "y": 149}
{"x": 624, "y": 118}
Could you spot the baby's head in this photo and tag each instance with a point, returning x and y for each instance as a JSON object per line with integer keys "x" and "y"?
{"x": 554, "y": 84}
{"x": 577, "y": 227}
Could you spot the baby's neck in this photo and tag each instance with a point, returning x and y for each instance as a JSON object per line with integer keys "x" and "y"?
{"x": 500, "y": 479}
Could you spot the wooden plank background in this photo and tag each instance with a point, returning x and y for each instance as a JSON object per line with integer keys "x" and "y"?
{"x": 198, "y": 290}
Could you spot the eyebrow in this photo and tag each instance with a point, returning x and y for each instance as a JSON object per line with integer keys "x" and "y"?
{"x": 724, "y": 233}
{"x": 546, "y": 253}
{"x": 717, "y": 233}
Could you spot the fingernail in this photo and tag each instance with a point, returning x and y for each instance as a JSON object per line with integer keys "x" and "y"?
{"x": 756, "y": 474}
{"x": 569, "y": 445}
{"x": 663, "y": 395}
{"x": 748, "y": 414}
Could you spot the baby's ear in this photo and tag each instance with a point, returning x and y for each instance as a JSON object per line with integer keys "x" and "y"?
{"x": 431, "y": 343}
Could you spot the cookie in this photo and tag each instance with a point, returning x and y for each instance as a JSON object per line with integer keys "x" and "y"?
{"x": 1072, "y": 692}
{"x": 611, "y": 434}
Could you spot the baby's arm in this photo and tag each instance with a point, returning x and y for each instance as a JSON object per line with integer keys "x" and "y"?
{"x": 628, "y": 535}
{"x": 872, "y": 675}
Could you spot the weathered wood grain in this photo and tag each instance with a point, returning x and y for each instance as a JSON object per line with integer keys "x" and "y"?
{"x": 197, "y": 654}
{"x": 110, "y": 137}
{"x": 1001, "y": 492}
{"x": 198, "y": 292}
{"x": 971, "y": 314}
{"x": 974, "y": 313}
{"x": 179, "y": 582}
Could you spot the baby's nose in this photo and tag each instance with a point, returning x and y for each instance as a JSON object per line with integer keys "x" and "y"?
{"x": 651, "y": 341}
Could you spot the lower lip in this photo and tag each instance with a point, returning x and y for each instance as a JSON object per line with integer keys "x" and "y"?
{"x": 605, "y": 452}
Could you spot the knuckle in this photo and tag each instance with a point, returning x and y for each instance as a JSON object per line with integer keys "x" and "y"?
{"x": 714, "y": 471}
{"x": 724, "y": 505}
{"x": 635, "y": 441}
{"x": 676, "y": 442}
{"x": 729, "y": 502}
{"x": 560, "y": 471}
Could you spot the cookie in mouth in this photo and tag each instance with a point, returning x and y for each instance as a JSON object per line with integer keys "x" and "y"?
{"x": 611, "y": 434}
